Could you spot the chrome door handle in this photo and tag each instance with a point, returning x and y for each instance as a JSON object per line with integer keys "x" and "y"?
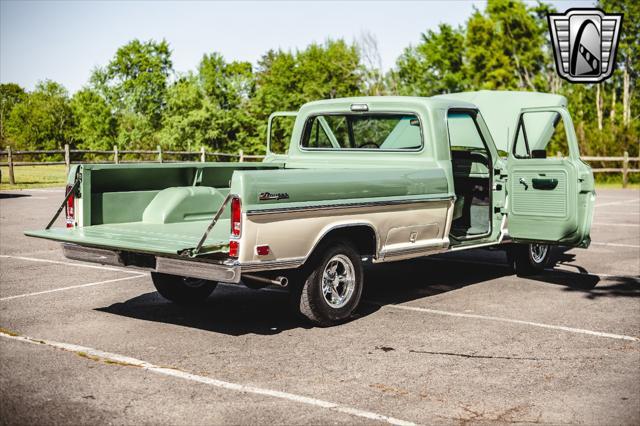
{"x": 524, "y": 182}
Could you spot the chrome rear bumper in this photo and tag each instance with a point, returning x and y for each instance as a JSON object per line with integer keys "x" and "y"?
{"x": 214, "y": 271}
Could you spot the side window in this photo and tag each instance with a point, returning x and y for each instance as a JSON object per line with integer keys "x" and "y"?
{"x": 281, "y": 130}
{"x": 463, "y": 133}
{"x": 541, "y": 134}
{"x": 469, "y": 154}
{"x": 521, "y": 149}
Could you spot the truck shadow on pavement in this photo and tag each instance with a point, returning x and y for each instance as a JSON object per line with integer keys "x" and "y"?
{"x": 583, "y": 282}
{"x": 4, "y": 195}
{"x": 236, "y": 310}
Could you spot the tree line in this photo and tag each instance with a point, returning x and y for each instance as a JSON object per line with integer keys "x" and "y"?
{"x": 137, "y": 101}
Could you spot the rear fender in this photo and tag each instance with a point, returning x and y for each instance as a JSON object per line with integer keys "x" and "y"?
{"x": 362, "y": 234}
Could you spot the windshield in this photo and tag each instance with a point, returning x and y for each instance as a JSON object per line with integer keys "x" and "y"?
{"x": 363, "y": 131}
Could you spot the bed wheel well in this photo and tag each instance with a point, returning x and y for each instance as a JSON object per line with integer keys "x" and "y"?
{"x": 363, "y": 237}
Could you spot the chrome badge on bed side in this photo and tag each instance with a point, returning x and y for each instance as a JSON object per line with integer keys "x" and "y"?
{"x": 585, "y": 43}
{"x": 265, "y": 196}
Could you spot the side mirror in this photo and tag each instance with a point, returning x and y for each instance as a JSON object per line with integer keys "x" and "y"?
{"x": 539, "y": 153}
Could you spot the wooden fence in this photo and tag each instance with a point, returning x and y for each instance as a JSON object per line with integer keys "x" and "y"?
{"x": 116, "y": 157}
{"x": 201, "y": 155}
{"x": 625, "y": 169}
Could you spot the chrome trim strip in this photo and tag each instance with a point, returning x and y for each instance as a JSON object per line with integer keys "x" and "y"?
{"x": 349, "y": 205}
{"x": 270, "y": 265}
{"x": 460, "y": 248}
{"x": 92, "y": 255}
{"x": 194, "y": 269}
{"x": 427, "y": 249}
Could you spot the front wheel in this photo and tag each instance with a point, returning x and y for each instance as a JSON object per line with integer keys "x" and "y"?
{"x": 332, "y": 289}
{"x": 529, "y": 259}
{"x": 182, "y": 290}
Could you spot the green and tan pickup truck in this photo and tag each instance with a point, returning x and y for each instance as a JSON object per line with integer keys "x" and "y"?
{"x": 370, "y": 179}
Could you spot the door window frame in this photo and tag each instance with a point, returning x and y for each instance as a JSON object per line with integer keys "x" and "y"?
{"x": 572, "y": 140}
{"x": 473, "y": 113}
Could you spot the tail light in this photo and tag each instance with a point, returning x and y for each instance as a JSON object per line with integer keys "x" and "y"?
{"x": 236, "y": 226}
{"x": 70, "y": 208}
{"x": 236, "y": 217}
{"x": 234, "y": 248}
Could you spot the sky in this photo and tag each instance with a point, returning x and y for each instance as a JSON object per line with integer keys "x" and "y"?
{"x": 65, "y": 40}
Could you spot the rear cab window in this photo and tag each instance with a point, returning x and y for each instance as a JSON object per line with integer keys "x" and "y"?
{"x": 367, "y": 132}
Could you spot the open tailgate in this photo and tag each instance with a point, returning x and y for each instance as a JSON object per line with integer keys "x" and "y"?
{"x": 165, "y": 238}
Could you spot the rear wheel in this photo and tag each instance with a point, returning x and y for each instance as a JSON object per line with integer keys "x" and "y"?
{"x": 182, "y": 290}
{"x": 529, "y": 259}
{"x": 332, "y": 288}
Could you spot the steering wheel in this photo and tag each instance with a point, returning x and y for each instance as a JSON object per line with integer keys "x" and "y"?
{"x": 366, "y": 144}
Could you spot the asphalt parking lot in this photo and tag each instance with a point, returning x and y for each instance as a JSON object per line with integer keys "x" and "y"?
{"x": 450, "y": 339}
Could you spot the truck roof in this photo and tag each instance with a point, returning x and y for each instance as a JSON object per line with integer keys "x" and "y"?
{"x": 500, "y": 109}
{"x": 378, "y": 100}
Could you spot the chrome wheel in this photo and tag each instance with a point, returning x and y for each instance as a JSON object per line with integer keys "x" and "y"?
{"x": 538, "y": 252}
{"x": 338, "y": 281}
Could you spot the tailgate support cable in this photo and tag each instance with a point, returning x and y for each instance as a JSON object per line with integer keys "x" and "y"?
{"x": 195, "y": 251}
{"x": 64, "y": 202}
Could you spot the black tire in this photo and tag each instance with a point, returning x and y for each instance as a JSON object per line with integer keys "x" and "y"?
{"x": 345, "y": 296}
{"x": 182, "y": 290}
{"x": 529, "y": 259}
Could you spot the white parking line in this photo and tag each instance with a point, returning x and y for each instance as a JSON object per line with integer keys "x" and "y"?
{"x": 512, "y": 321}
{"x": 616, "y": 245}
{"x": 33, "y": 190}
{"x": 33, "y": 197}
{"x": 36, "y": 293}
{"x": 615, "y": 203}
{"x": 107, "y": 356}
{"x": 614, "y": 213}
{"x": 59, "y": 262}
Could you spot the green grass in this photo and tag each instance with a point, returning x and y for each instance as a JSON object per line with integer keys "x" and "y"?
{"x": 34, "y": 177}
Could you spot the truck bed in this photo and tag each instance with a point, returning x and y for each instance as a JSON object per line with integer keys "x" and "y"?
{"x": 161, "y": 209}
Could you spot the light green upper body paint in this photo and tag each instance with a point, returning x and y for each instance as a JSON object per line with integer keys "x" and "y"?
{"x": 145, "y": 207}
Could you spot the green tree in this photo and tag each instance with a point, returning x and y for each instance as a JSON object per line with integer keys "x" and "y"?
{"x": 43, "y": 120}
{"x": 227, "y": 84}
{"x": 10, "y": 95}
{"x": 135, "y": 80}
{"x": 435, "y": 65}
{"x": 520, "y": 37}
{"x": 95, "y": 124}
{"x": 628, "y": 58}
{"x": 183, "y": 123}
{"x": 210, "y": 109}
{"x": 286, "y": 80}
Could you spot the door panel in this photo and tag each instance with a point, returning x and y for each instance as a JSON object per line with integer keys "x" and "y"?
{"x": 531, "y": 201}
{"x": 542, "y": 214}
{"x": 543, "y": 179}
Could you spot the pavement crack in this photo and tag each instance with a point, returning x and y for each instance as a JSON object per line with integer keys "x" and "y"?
{"x": 461, "y": 355}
